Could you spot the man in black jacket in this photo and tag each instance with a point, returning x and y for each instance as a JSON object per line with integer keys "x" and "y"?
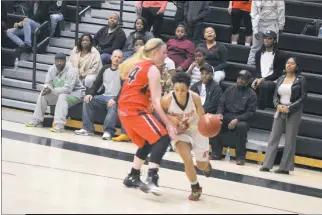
{"x": 37, "y": 14}
{"x": 208, "y": 90}
{"x": 269, "y": 66}
{"x": 110, "y": 38}
{"x": 236, "y": 106}
{"x": 194, "y": 15}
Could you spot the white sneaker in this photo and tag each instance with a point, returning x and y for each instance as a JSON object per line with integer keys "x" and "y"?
{"x": 83, "y": 132}
{"x": 106, "y": 136}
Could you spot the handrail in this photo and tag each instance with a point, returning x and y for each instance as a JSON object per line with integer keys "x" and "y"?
{"x": 121, "y": 13}
{"x": 35, "y": 53}
{"x": 77, "y": 19}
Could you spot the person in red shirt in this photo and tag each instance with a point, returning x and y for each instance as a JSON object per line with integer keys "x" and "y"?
{"x": 140, "y": 89}
{"x": 241, "y": 10}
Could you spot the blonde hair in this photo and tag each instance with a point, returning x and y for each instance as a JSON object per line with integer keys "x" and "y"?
{"x": 142, "y": 54}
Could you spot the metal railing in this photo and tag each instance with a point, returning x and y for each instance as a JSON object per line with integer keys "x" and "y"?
{"x": 35, "y": 46}
{"x": 121, "y": 13}
{"x": 78, "y": 15}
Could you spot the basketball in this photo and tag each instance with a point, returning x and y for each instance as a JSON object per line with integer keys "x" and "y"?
{"x": 209, "y": 125}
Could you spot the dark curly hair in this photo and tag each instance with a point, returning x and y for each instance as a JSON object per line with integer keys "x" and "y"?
{"x": 139, "y": 38}
{"x": 79, "y": 42}
{"x": 181, "y": 77}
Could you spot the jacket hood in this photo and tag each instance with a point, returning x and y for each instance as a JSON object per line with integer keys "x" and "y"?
{"x": 67, "y": 67}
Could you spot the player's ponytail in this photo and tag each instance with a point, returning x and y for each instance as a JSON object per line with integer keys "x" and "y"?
{"x": 142, "y": 54}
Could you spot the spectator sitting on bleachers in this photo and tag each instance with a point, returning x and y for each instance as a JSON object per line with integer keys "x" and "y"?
{"x": 194, "y": 69}
{"x": 217, "y": 54}
{"x": 180, "y": 50}
{"x": 194, "y": 15}
{"x": 153, "y": 12}
{"x": 266, "y": 16}
{"x": 208, "y": 90}
{"x": 110, "y": 38}
{"x": 241, "y": 10}
{"x": 236, "y": 106}
{"x": 62, "y": 88}
{"x": 269, "y": 67}
{"x": 38, "y": 12}
{"x": 109, "y": 77}
{"x": 57, "y": 11}
{"x": 140, "y": 27}
{"x": 290, "y": 94}
{"x": 86, "y": 59}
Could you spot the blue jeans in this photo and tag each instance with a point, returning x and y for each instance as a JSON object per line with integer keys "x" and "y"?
{"x": 15, "y": 33}
{"x": 99, "y": 102}
{"x": 106, "y": 58}
{"x": 54, "y": 19}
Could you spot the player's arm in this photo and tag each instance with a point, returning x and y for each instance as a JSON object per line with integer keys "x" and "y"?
{"x": 197, "y": 101}
{"x": 165, "y": 103}
{"x": 155, "y": 89}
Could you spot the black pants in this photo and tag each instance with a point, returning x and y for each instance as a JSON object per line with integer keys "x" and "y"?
{"x": 153, "y": 19}
{"x": 265, "y": 92}
{"x": 179, "y": 16}
{"x": 236, "y": 16}
{"x": 194, "y": 31}
{"x": 238, "y": 135}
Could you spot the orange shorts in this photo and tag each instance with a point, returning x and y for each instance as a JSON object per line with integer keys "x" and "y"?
{"x": 142, "y": 128}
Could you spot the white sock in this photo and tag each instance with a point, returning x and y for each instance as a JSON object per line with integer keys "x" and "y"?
{"x": 234, "y": 42}
{"x": 247, "y": 44}
{"x": 194, "y": 183}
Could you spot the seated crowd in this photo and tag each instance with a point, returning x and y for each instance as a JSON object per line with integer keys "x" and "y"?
{"x": 94, "y": 74}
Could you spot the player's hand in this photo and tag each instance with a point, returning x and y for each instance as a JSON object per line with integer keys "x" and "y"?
{"x": 110, "y": 103}
{"x": 174, "y": 120}
{"x": 88, "y": 98}
{"x": 220, "y": 116}
{"x": 233, "y": 124}
{"x": 172, "y": 131}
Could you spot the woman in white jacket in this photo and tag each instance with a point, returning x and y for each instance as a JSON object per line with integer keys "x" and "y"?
{"x": 267, "y": 15}
{"x": 86, "y": 59}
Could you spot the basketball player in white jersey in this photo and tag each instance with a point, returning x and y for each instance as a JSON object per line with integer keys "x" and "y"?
{"x": 184, "y": 109}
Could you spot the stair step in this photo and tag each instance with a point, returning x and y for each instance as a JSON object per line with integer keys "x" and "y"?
{"x": 69, "y": 34}
{"x": 62, "y": 43}
{"x": 28, "y": 64}
{"x": 18, "y": 83}
{"x": 21, "y": 105}
{"x": 24, "y": 74}
{"x": 19, "y": 94}
{"x": 86, "y": 28}
{"x": 56, "y": 50}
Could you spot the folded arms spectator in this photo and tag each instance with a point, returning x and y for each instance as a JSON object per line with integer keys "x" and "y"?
{"x": 86, "y": 59}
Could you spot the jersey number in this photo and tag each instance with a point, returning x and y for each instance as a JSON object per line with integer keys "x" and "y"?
{"x": 133, "y": 74}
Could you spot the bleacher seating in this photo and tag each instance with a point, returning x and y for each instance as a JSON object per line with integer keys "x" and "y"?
{"x": 17, "y": 93}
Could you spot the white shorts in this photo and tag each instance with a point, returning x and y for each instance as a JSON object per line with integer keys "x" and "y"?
{"x": 199, "y": 143}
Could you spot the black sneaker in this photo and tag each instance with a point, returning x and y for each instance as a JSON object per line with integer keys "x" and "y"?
{"x": 151, "y": 186}
{"x": 133, "y": 181}
{"x": 279, "y": 171}
{"x": 264, "y": 169}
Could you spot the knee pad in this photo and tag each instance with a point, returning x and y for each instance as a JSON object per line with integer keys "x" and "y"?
{"x": 143, "y": 152}
{"x": 159, "y": 149}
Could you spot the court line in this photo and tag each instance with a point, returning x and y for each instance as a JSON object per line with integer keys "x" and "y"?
{"x": 167, "y": 164}
{"x": 171, "y": 188}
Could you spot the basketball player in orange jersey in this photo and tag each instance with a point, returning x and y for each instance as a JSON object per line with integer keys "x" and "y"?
{"x": 142, "y": 85}
{"x": 184, "y": 109}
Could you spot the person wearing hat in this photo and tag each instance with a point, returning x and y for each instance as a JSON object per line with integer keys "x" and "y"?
{"x": 269, "y": 63}
{"x": 236, "y": 107}
{"x": 266, "y": 15}
{"x": 62, "y": 88}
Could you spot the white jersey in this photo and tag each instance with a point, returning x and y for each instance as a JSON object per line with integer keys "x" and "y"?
{"x": 188, "y": 130}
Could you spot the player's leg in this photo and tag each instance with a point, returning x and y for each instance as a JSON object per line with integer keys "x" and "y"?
{"x": 154, "y": 132}
{"x": 133, "y": 178}
{"x": 201, "y": 151}
{"x": 184, "y": 150}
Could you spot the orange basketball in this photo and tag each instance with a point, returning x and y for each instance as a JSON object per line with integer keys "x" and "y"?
{"x": 209, "y": 125}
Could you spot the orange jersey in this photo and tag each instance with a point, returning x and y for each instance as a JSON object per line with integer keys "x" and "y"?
{"x": 135, "y": 94}
{"x": 243, "y": 5}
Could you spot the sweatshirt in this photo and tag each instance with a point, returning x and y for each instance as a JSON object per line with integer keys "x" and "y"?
{"x": 196, "y": 11}
{"x": 216, "y": 56}
{"x": 64, "y": 82}
{"x": 155, "y": 4}
{"x": 108, "y": 42}
{"x": 181, "y": 52}
{"x": 240, "y": 103}
{"x": 58, "y": 7}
